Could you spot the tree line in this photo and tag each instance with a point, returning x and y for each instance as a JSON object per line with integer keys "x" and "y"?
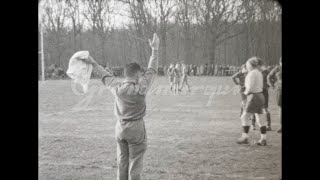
{"x": 224, "y": 32}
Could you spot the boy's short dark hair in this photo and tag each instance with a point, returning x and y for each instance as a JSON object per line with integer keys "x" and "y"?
{"x": 131, "y": 69}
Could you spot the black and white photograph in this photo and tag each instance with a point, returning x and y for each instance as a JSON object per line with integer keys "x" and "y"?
{"x": 159, "y": 90}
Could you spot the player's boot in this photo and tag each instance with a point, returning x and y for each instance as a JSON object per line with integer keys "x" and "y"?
{"x": 253, "y": 127}
{"x": 261, "y": 142}
{"x": 243, "y": 140}
{"x": 269, "y": 128}
{"x": 279, "y": 130}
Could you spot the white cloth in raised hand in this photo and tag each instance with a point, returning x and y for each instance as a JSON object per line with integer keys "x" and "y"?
{"x": 80, "y": 71}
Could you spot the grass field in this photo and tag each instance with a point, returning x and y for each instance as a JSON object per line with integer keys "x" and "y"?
{"x": 190, "y": 136}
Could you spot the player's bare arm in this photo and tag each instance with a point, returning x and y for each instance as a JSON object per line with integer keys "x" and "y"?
{"x": 271, "y": 77}
{"x": 235, "y": 77}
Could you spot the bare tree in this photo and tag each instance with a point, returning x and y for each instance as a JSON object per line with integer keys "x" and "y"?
{"x": 184, "y": 18}
{"x": 249, "y": 20}
{"x": 143, "y": 26}
{"x": 199, "y": 31}
{"x": 269, "y": 12}
{"x": 218, "y": 17}
{"x": 53, "y": 20}
{"x": 98, "y": 14}
{"x": 164, "y": 10}
{"x": 77, "y": 24}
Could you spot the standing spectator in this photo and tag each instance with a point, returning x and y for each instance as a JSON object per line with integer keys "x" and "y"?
{"x": 177, "y": 75}
{"x": 56, "y": 73}
{"x": 205, "y": 70}
{"x": 189, "y": 69}
{"x": 231, "y": 70}
{"x": 165, "y": 69}
{"x": 60, "y": 73}
{"x": 211, "y": 70}
{"x": 51, "y": 70}
{"x": 160, "y": 71}
{"x": 193, "y": 70}
{"x": 201, "y": 69}
{"x": 171, "y": 75}
{"x": 274, "y": 79}
{"x": 216, "y": 67}
{"x": 221, "y": 70}
{"x": 228, "y": 70}
{"x": 198, "y": 71}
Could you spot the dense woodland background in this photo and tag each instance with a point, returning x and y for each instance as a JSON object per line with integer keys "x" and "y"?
{"x": 224, "y": 32}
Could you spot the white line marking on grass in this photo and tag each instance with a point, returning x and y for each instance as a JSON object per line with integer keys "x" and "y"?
{"x": 75, "y": 136}
{"x": 68, "y": 163}
{"x": 236, "y": 176}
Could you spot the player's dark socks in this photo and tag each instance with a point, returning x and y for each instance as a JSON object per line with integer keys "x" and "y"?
{"x": 279, "y": 130}
{"x": 268, "y": 119}
{"x": 253, "y": 118}
{"x": 263, "y": 129}
{"x": 241, "y": 110}
{"x": 246, "y": 129}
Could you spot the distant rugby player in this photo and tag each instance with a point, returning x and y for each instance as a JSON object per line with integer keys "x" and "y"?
{"x": 238, "y": 79}
{"x": 184, "y": 76}
{"x": 176, "y": 79}
{"x": 171, "y": 75}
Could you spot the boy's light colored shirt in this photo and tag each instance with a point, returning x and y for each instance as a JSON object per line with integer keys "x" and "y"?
{"x": 253, "y": 82}
{"x": 130, "y": 94}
